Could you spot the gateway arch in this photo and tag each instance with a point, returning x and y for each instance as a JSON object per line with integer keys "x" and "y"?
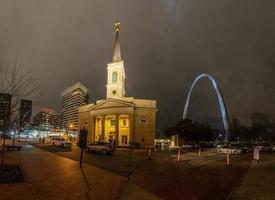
{"x": 220, "y": 99}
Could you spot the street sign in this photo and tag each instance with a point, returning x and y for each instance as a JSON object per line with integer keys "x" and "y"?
{"x": 82, "y": 142}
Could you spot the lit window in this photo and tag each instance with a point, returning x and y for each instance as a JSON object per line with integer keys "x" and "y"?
{"x": 112, "y": 122}
{"x": 124, "y": 122}
{"x": 114, "y": 77}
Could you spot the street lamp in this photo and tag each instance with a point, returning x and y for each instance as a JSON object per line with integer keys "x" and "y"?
{"x": 71, "y": 126}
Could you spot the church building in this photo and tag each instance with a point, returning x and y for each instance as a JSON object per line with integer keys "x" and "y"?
{"x": 130, "y": 122}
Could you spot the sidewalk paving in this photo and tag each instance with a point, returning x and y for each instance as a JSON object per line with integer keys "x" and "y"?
{"x": 259, "y": 183}
{"x": 50, "y": 176}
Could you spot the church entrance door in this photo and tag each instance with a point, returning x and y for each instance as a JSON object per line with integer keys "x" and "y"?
{"x": 124, "y": 140}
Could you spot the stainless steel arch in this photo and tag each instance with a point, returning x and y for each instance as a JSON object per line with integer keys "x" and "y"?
{"x": 220, "y": 99}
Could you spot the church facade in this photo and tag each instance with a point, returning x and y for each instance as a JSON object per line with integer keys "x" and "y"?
{"x": 128, "y": 121}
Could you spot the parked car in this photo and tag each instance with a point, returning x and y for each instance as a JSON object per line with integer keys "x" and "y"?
{"x": 190, "y": 146}
{"x": 58, "y": 141}
{"x": 101, "y": 147}
{"x": 266, "y": 147}
{"x": 230, "y": 150}
{"x": 245, "y": 148}
{"x": 225, "y": 144}
{"x": 66, "y": 144}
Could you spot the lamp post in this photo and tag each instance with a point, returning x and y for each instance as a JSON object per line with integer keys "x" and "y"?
{"x": 71, "y": 126}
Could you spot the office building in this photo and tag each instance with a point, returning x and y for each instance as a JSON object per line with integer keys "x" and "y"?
{"x": 47, "y": 118}
{"x": 25, "y": 112}
{"x": 71, "y": 99}
{"x": 5, "y": 110}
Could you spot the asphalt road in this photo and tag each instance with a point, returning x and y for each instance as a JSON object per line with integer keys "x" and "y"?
{"x": 196, "y": 177}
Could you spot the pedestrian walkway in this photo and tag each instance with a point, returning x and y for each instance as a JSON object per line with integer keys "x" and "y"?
{"x": 49, "y": 176}
{"x": 259, "y": 182}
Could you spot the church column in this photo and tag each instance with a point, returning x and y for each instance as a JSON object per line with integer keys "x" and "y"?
{"x": 131, "y": 129}
{"x": 117, "y": 129}
{"x": 102, "y": 127}
{"x": 93, "y": 128}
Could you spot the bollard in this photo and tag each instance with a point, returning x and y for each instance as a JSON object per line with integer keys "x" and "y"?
{"x": 228, "y": 159}
{"x": 200, "y": 151}
{"x": 256, "y": 154}
{"x": 149, "y": 154}
{"x": 178, "y": 157}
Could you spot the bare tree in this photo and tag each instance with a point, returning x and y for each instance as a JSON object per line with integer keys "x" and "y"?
{"x": 20, "y": 85}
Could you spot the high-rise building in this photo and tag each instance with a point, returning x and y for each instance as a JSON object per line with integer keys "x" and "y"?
{"x": 5, "y": 109}
{"x": 25, "y": 112}
{"x": 47, "y": 118}
{"x": 71, "y": 99}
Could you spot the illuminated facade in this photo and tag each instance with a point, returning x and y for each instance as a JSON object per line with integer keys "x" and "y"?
{"x": 128, "y": 121}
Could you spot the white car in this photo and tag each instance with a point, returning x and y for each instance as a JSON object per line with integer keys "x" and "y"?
{"x": 61, "y": 142}
{"x": 230, "y": 150}
{"x": 190, "y": 146}
{"x": 101, "y": 147}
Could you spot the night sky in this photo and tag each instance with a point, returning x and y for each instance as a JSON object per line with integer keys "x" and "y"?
{"x": 165, "y": 45}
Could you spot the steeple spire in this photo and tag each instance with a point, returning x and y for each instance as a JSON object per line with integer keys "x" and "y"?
{"x": 117, "y": 53}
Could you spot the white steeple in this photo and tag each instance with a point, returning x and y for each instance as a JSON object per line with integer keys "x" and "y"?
{"x": 116, "y": 74}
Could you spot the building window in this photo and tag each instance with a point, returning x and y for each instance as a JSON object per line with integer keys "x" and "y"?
{"x": 143, "y": 121}
{"x": 114, "y": 77}
{"x": 112, "y": 122}
{"x": 124, "y": 122}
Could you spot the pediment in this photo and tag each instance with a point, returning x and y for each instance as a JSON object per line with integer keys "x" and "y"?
{"x": 112, "y": 103}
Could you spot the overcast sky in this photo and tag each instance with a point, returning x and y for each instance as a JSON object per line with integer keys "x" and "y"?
{"x": 165, "y": 45}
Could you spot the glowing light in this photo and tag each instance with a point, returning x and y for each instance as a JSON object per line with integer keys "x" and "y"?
{"x": 220, "y": 99}
{"x": 117, "y": 26}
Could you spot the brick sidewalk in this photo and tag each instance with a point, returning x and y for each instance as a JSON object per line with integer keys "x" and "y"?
{"x": 54, "y": 177}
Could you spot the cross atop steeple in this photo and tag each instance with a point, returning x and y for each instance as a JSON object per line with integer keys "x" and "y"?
{"x": 117, "y": 26}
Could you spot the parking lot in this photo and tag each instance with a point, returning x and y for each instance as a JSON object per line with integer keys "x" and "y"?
{"x": 195, "y": 177}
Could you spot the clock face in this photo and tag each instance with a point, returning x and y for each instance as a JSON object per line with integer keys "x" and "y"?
{"x": 114, "y": 91}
